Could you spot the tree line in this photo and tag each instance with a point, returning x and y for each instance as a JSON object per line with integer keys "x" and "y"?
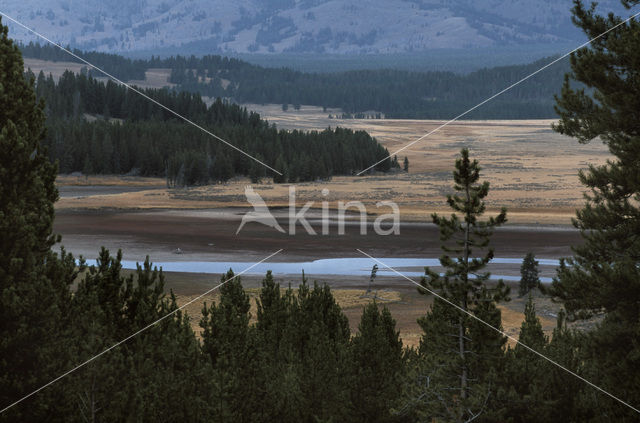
{"x": 101, "y": 128}
{"x": 121, "y": 67}
{"x": 395, "y": 93}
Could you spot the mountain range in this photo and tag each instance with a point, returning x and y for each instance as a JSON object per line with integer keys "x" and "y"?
{"x": 298, "y": 26}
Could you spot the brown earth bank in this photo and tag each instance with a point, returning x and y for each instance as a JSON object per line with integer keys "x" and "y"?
{"x": 211, "y": 235}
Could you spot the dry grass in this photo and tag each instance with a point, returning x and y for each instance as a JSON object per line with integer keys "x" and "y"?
{"x": 417, "y": 196}
{"x": 108, "y": 180}
{"x": 533, "y": 171}
{"x": 154, "y": 78}
{"x": 56, "y": 69}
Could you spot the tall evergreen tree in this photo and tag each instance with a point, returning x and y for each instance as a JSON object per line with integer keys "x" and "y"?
{"x": 523, "y": 380}
{"x": 462, "y": 351}
{"x": 226, "y": 340}
{"x": 603, "y": 276}
{"x": 34, "y": 282}
{"x": 278, "y": 383}
{"x": 528, "y": 275}
{"x": 376, "y": 364}
{"x": 321, "y": 336}
{"x": 157, "y": 375}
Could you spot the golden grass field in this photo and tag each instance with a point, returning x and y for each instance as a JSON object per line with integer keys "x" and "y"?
{"x": 533, "y": 171}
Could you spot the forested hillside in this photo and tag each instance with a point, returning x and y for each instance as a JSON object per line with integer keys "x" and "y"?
{"x": 95, "y": 127}
{"x": 307, "y": 26}
{"x": 396, "y": 93}
{"x": 118, "y": 66}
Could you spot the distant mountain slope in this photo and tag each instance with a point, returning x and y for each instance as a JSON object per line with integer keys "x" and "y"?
{"x": 309, "y": 26}
{"x": 394, "y": 93}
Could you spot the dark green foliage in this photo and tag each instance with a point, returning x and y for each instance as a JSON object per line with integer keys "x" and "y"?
{"x": 528, "y": 275}
{"x": 531, "y": 334}
{"x": 320, "y": 339}
{"x": 376, "y": 366}
{"x": 603, "y": 275}
{"x": 34, "y": 282}
{"x": 121, "y": 67}
{"x": 157, "y": 375}
{"x": 396, "y": 93}
{"x": 405, "y": 165}
{"x": 523, "y": 387}
{"x": 394, "y": 162}
{"x": 152, "y": 142}
{"x": 460, "y": 352}
{"x": 226, "y": 342}
{"x": 565, "y": 394}
{"x": 289, "y": 366}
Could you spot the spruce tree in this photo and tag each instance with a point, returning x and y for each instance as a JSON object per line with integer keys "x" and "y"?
{"x": 463, "y": 351}
{"x": 34, "y": 282}
{"x": 603, "y": 275}
{"x": 528, "y": 275}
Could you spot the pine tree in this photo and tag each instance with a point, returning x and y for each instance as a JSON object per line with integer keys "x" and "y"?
{"x": 281, "y": 166}
{"x": 405, "y": 165}
{"x": 528, "y": 275}
{"x": 34, "y": 282}
{"x": 567, "y": 398}
{"x": 226, "y": 341}
{"x": 319, "y": 335}
{"x": 603, "y": 275}
{"x": 462, "y": 350}
{"x": 376, "y": 365}
{"x": 256, "y": 170}
{"x": 159, "y": 374}
{"x": 278, "y": 375}
{"x": 524, "y": 395}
